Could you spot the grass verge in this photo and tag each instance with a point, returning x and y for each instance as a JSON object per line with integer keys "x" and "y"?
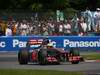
{"x": 91, "y": 56}
{"x": 35, "y": 72}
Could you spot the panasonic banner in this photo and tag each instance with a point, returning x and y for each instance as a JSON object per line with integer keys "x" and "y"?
{"x": 83, "y": 43}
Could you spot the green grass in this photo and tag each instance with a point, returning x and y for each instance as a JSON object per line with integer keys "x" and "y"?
{"x": 35, "y": 72}
{"x": 92, "y": 56}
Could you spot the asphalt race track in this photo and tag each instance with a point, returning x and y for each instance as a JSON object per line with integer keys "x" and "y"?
{"x": 9, "y": 61}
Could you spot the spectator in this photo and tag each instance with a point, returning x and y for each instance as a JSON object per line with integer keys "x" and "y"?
{"x": 89, "y": 20}
{"x": 23, "y": 33}
{"x": 56, "y": 28}
{"x": 39, "y": 28}
{"x": 30, "y": 28}
{"x": 51, "y": 28}
{"x": 45, "y": 31}
{"x": 8, "y": 31}
{"x": 1, "y": 32}
{"x": 61, "y": 28}
{"x": 24, "y": 28}
{"x": 82, "y": 26}
{"x": 97, "y": 18}
{"x": 4, "y": 26}
{"x": 14, "y": 28}
{"x": 68, "y": 28}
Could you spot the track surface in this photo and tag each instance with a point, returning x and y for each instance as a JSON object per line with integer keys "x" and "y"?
{"x": 9, "y": 61}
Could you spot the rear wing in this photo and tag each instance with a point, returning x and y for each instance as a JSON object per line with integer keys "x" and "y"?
{"x": 35, "y": 42}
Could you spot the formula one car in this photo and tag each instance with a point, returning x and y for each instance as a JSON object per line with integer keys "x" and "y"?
{"x": 46, "y": 54}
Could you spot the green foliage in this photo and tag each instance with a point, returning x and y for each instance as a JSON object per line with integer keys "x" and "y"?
{"x": 69, "y": 12}
{"x": 98, "y": 3}
{"x": 79, "y": 4}
{"x": 61, "y": 4}
{"x": 36, "y": 7}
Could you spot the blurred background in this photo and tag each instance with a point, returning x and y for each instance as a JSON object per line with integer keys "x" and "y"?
{"x": 50, "y": 17}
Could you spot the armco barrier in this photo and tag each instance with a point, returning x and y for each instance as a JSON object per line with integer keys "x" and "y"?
{"x": 83, "y": 43}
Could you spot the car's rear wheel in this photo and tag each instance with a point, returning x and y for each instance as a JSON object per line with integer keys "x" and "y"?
{"x": 74, "y": 52}
{"x": 23, "y": 56}
{"x": 42, "y": 54}
{"x": 75, "y": 62}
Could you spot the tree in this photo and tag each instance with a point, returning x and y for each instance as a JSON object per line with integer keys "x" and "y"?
{"x": 69, "y": 13}
{"x": 35, "y": 5}
{"x": 78, "y": 4}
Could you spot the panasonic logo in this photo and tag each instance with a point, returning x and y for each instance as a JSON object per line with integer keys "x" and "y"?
{"x": 2, "y": 44}
{"x": 81, "y": 43}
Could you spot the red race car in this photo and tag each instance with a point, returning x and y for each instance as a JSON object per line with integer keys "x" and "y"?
{"x": 46, "y": 54}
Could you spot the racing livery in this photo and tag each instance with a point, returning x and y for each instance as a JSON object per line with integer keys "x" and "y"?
{"x": 45, "y": 53}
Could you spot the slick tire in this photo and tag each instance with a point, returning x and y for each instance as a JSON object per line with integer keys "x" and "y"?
{"x": 75, "y": 62}
{"x": 42, "y": 57}
{"x": 23, "y": 56}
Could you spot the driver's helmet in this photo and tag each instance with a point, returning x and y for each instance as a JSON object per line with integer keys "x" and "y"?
{"x": 49, "y": 45}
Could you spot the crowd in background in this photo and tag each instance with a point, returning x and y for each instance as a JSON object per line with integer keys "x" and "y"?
{"x": 79, "y": 26}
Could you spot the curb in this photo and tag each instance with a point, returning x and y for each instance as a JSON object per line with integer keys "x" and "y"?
{"x": 97, "y": 60}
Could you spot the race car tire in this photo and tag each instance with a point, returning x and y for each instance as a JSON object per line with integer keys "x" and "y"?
{"x": 74, "y": 52}
{"x": 23, "y": 56}
{"x": 42, "y": 57}
{"x": 75, "y": 62}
